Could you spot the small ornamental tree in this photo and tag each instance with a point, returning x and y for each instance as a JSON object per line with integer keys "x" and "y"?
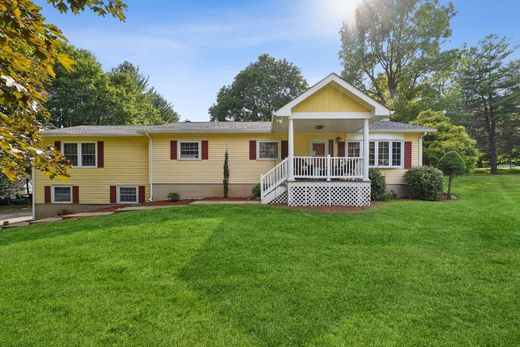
{"x": 452, "y": 165}
{"x": 226, "y": 174}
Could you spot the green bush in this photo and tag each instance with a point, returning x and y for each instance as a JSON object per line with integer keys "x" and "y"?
{"x": 377, "y": 185}
{"x": 256, "y": 191}
{"x": 424, "y": 183}
{"x": 174, "y": 196}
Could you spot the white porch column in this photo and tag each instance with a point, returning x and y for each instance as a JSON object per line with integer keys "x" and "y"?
{"x": 365, "y": 149}
{"x": 290, "y": 146}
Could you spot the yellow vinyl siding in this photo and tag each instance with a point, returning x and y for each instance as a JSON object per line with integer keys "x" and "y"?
{"x": 302, "y": 142}
{"x": 395, "y": 176}
{"x": 242, "y": 170}
{"x": 126, "y": 163}
{"x": 330, "y": 99}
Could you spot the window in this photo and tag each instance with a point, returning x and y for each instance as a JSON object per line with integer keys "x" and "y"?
{"x": 70, "y": 151}
{"x": 61, "y": 195}
{"x": 396, "y": 153}
{"x": 81, "y": 154}
{"x": 268, "y": 150}
{"x": 383, "y": 153}
{"x": 189, "y": 150}
{"x": 388, "y": 153}
{"x": 353, "y": 149}
{"x": 127, "y": 195}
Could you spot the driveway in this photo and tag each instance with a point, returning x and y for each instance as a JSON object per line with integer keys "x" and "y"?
{"x": 15, "y": 214}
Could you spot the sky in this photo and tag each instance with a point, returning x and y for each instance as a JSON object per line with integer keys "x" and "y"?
{"x": 190, "y": 49}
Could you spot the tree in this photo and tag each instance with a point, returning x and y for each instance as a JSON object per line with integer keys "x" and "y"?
{"x": 226, "y": 174}
{"x": 29, "y": 48}
{"x": 491, "y": 89}
{"x": 448, "y": 137}
{"x": 89, "y": 96}
{"x": 258, "y": 90}
{"x": 451, "y": 164}
{"x": 394, "y": 45}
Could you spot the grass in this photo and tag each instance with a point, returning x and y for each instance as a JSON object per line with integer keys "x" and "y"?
{"x": 405, "y": 273}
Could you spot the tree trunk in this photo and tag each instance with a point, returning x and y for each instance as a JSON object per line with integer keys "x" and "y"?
{"x": 480, "y": 164}
{"x": 450, "y": 177}
{"x": 492, "y": 149}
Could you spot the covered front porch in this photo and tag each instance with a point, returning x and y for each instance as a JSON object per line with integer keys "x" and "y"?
{"x": 319, "y": 169}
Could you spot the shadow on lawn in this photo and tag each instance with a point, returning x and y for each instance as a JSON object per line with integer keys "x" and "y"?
{"x": 285, "y": 286}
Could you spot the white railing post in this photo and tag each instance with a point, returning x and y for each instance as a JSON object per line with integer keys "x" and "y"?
{"x": 290, "y": 148}
{"x": 328, "y": 167}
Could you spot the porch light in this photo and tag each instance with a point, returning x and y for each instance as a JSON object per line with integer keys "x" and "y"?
{"x": 319, "y": 127}
{"x": 338, "y": 139}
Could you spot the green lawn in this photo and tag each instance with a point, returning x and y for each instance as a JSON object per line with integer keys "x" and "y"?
{"x": 405, "y": 273}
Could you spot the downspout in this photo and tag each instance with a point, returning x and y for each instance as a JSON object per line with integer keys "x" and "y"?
{"x": 150, "y": 165}
{"x": 33, "y": 196}
{"x": 420, "y": 149}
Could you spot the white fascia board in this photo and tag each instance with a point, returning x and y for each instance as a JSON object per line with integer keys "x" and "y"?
{"x": 331, "y": 115}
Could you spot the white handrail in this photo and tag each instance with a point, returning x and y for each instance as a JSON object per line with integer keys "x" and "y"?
{"x": 328, "y": 167}
{"x": 274, "y": 177}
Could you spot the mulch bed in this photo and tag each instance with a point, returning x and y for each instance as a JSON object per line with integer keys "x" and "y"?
{"x": 330, "y": 209}
{"x": 216, "y": 198}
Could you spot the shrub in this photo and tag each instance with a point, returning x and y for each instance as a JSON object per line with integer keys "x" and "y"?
{"x": 424, "y": 183}
{"x": 174, "y": 196}
{"x": 256, "y": 191}
{"x": 452, "y": 165}
{"x": 377, "y": 185}
{"x": 64, "y": 212}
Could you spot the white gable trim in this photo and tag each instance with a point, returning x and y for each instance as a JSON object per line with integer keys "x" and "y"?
{"x": 378, "y": 109}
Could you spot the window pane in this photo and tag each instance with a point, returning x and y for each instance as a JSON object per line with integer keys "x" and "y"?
{"x": 189, "y": 150}
{"x": 268, "y": 150}
{"x": 383, "y": 149}
{"x": 62, "y": 194}
{"x": 396, "y": 153}
{"x": 88, "y": 154}
{"x": 70, "y": 151}
{"x": 354, "y": 149}
{"x": 371, "y": 154}
{"x": 127, "y": 194}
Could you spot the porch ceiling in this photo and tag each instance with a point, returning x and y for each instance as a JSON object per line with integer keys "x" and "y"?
{"x": 281, "y": 125}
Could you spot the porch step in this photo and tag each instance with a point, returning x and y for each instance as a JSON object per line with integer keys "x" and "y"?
{"x": 275, "y": 193}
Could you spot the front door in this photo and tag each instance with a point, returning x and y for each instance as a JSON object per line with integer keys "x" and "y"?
{"x": 318, "y": 149}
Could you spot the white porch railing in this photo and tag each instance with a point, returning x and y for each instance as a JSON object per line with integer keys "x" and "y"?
{"x": 328, "y": 167}
{"x": 274, "y": 177}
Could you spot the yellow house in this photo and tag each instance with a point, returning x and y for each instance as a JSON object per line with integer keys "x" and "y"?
{"x": 317, "y": 150}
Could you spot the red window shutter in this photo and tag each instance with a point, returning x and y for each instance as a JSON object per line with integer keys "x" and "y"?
{"x": 341, "y": 149}
{"x": 252, "y": 150}
{"x": 113, "y": 194}
{"x": 173, "y": 150}
{"x": 75, "y": 195}
{"x": 285, "y": 149}
{"x": 57, "y": 145}
{"x": 100, "y": 154}
{"x": 141, "y": 194}
{"x": 47, "y": 194}
{"x": 204, "y": 150}
{"x": 331, "y": 148}
{"x": 407, "y": 154}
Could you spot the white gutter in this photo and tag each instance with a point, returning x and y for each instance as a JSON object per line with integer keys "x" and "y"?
{"x": 150, "y": 165}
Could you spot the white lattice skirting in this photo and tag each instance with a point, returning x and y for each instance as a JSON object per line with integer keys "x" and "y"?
{"x": 328, "y": 193}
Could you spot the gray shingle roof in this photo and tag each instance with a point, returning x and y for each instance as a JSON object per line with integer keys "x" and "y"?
{"x": 383, "y": 125}
{"x": 203, "y": 127}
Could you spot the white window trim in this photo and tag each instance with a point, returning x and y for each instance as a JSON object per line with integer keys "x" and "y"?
{"x": 376, "y": 153}
{"x": 61, "y": 202}
{"x": 189, "y": 141}
{"x": 268, "y": 141}
{"x": 127, "y": 202}
{"x": 80, "y": 157}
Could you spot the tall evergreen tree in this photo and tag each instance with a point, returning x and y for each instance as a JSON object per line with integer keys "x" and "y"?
{"x": 490, "y": 84}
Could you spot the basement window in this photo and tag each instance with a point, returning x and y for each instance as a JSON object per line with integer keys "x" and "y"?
{"x": 127, "y": 195}
{"x": 61, "y": 195}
